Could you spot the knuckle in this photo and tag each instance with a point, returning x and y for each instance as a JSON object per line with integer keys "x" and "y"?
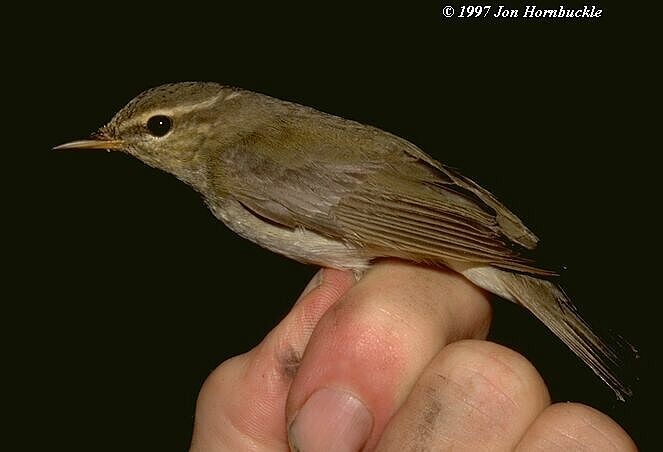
{"x": 359, "y": 342}
{"x": 218, "y": 381}
{"x": 364, "y": 333}
{"x": 386, "y": 316}
{"x": 578, "y": 426}
{"x": 492, "y": 377}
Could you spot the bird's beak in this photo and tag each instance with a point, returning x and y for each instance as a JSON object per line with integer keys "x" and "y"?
{"x": 91, "y": 144}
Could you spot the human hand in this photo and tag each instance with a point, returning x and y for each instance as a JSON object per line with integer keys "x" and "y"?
{"x": 397, "y": 361}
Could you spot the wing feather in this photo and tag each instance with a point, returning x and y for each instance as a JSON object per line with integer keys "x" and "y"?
{"x": 403, "y": 234}
{"x": 393, "y": 201}
{"x": 427, "y": 234}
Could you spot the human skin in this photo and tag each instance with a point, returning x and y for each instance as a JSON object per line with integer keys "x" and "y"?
{"x": 397, "y": 361}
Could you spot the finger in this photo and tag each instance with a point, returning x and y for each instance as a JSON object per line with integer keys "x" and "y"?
{"x": 475, "y": 395}
{"x": 241, "y": 405}
{"x": 572, "y": 426}
{"x": 368, "y": 350}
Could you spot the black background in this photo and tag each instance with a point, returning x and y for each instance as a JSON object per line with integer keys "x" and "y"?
{"x": 130, "y": 292}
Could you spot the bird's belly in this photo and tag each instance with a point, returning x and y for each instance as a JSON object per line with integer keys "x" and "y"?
{"x": 299, "y": 244}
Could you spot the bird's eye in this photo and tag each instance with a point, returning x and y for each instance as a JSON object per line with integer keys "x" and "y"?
{"x": 159, "y": 125}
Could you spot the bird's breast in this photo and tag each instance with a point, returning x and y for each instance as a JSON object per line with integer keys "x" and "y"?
{"x": 299, "y": 243}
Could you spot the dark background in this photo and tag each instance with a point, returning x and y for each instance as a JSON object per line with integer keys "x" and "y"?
{"x": 130, "y": 292}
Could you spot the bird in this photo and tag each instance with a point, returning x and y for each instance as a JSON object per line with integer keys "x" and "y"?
{"x": 336, "y": 193}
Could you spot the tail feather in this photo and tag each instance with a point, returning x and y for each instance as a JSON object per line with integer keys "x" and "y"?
{"x": 550, "y": 305}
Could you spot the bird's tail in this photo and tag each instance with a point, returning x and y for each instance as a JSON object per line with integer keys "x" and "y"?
{"x": 549, "y": 304}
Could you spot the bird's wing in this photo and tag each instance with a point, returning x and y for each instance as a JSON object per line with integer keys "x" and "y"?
{"x": 412, "y": 208}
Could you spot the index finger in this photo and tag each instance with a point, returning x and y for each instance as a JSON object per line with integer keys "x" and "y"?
{"x": 370, "y": 347}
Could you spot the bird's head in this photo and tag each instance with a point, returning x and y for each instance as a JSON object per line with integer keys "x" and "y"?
{"x": 168, "y": 127}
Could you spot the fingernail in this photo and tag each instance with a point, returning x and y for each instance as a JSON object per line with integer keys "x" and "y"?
{"x": 331, "y": 420}
{"x": 313, "y": 283}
